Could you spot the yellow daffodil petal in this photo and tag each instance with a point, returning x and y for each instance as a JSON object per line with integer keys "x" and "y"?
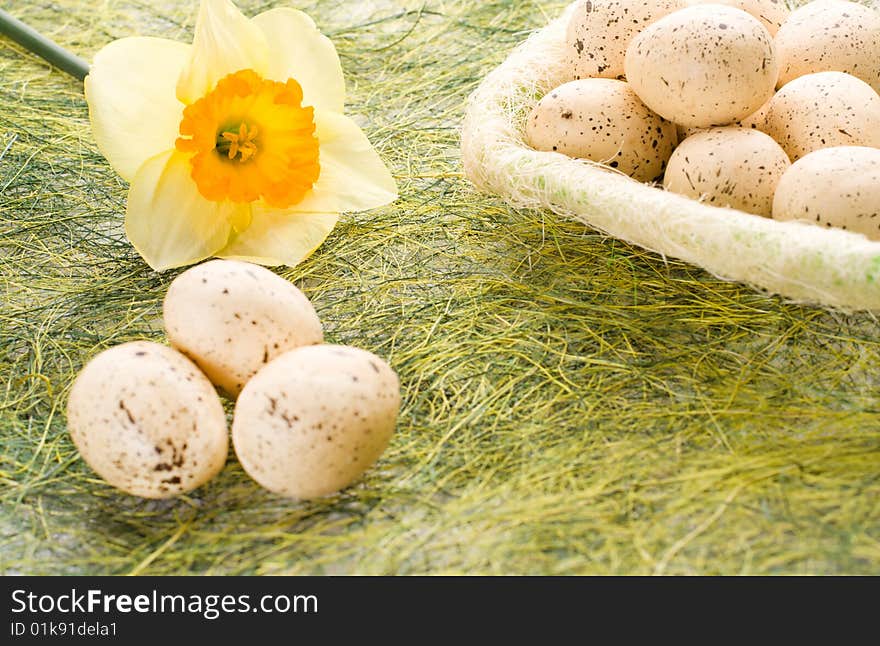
{"x": 279, "y": 236}
{"x": 301, "y": 52}
{"x": 169, "y": 222}
{"x": 133, "y": 109}
{"x": 225, "y": 41}
{"x": 353, "y": 176}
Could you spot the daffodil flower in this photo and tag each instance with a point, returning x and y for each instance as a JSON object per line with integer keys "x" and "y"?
{"x": 235, "y": 146}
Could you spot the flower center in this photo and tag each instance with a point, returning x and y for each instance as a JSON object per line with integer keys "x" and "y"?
{"x": 240, "y": 144}
{"x": 251, "y": 139}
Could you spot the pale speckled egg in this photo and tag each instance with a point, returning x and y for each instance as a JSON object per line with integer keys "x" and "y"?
{"x": 707, "y": 65}
{"x": 771, "y": 13}
{"x": 833, "y": 187}
{"x": 599, "y": 32}
{"x": 823, "y": 110}
{"x": 314, "y": 419}
{"x": 147, "y": 420}
{"x": 604, "y": 121}
{"x": 233, "y": 317}
{"x": 830, "y": 36}
{"x": 731, "y": 167}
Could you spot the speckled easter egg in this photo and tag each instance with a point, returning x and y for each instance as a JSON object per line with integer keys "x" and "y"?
{"x": 733, "y": 167}
{"x": 599, "y": 32}
{"x": 771, "y": 13}
{"x": 707, "y": 65}
{"x": 604, "y": 121}
{"x": 233, "y": 317}
{"x": 830, "y": 36}
{"x": 833, "y": 187}
{"x": 147, "y": 421}
{"x": 823, "y": 110}
{"x": 314, "y": 419}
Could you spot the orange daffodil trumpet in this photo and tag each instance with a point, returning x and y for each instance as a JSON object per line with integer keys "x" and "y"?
{"x": 234, "y": 146}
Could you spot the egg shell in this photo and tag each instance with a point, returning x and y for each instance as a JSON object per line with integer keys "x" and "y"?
{"x": 604, "y": 121}
{"x": 830, "y": 36}
{"x": 599, "y": 31}
{"x": 833, "y": 187}
{"x": 757, "y": 119}
{"x": 707, "y": 65}
{"x": 147, "y": 420}
{"x": 754, "y": 121}
{"x": 233, "y": 317}
{"x": 771, "y": 13}
{"x": 824, "y": 110}
{"x": 684, "y": 132}
{"x": 314, "y": 419}
{"x": 731, "y": 167}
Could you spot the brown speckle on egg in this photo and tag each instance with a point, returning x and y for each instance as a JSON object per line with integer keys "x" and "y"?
{"x": 771, "y": 13}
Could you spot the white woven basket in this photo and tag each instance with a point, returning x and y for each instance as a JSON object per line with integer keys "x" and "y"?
{"x": 798, "y": 261}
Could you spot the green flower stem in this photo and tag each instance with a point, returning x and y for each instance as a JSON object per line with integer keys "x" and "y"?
{"x": 35, "y": 42}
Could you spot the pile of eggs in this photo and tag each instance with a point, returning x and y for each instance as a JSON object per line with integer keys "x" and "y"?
{"x": 309, "y": 418}
{"x": 739, "y": 103}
